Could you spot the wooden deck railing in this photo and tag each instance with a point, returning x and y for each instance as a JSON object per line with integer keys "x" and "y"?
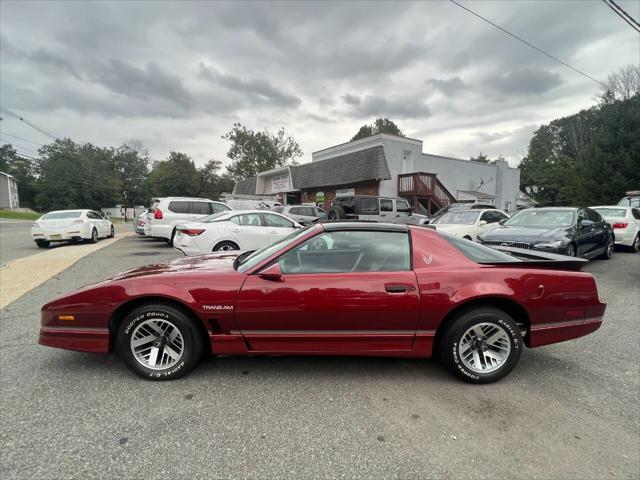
{"x": 422, "y": 184}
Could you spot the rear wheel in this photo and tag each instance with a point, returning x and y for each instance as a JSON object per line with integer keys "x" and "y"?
{"x": 94, "y": 236}
{"x": 336, "y": 213}
{"x": 159, "y": 342}
{"x": 481, "y": 345}
{"x": 112, "y": 232}
{"x": 42, "y": 243}
{"x": 608, "y": 252}
{"x": 225, "y": 247}
{"x": 636, "y": 244}
{"x": 571, "y": 250}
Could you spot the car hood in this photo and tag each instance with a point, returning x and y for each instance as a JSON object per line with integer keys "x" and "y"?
{"x": 526, "y": 234}
{"x": 219, "y": 262}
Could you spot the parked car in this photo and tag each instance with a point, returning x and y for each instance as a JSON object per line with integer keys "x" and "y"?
{"x": 233, "y": 230}
{"x": 459, "y": 206}
{"x": 70, "y": 225}
{"x": 139, "y": 222}
{"x": 303, "y": 214}
{"x": 469, "y": 223}
{"x": 631, "y": 199}
{"x": 341, "y": 288}
{"x": 569, "y": 231}
{"x": 625, "y": 222}
{"x": 371, "y": 208}
{"x": 166, "y": 214}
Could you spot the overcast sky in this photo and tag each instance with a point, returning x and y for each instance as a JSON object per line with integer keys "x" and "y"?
{"x": 178, "y": 75}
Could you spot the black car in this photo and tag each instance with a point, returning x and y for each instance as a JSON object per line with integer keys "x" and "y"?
{"x": 580, "y": 232}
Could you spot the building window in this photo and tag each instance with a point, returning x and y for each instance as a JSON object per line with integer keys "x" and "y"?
{"x": 507, "y": 206}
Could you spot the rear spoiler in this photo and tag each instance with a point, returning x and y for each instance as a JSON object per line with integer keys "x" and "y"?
{"x": 537, "y": 259}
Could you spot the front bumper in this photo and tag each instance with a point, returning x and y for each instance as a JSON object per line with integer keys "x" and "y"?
{"x": 92, "y": 340}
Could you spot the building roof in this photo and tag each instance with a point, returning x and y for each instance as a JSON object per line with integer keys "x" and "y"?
{"x": 246, "y": 186}
{"x": 480, "y": 195}
{"x": 369, "y": 164}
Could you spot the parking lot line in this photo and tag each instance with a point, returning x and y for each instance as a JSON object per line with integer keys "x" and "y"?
{"x": 23, "y": 274}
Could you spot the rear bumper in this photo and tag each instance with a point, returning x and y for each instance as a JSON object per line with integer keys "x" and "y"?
{"x": 61, "y": 234}
{"x": 548, "y": 333}
{"x": 93, "y": 340}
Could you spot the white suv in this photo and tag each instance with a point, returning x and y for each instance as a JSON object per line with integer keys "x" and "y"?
{"x": 167, "y": 213}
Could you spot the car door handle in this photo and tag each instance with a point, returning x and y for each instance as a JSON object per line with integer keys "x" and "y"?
{"x": 397, "y": 288}
{"x": 235, "y": 230}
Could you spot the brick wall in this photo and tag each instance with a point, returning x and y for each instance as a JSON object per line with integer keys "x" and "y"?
{"x": 364, "y": 188}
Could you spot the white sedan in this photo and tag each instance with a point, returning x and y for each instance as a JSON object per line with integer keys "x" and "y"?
{"x": 66, "y": 225}
{"x": 469, "y": 223}
{"x": 232, "y": 230}
{"x": 625, "y": 222}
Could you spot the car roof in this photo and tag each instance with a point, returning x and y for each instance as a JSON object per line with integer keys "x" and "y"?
{"x": 72, "y": 210}
{"x": 189, "y": 198}
{"x": 367, "y": 226}
{"x": 568, "y": 209}
{"x": 617, "y": 207}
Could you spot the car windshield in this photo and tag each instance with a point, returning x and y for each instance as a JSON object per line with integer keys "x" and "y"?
{"x": 611, "y": 212}
{"x": 629, "y": 202}
{"x": 542, "y": 218}
{"x": 465, "y": 217}
{"x": 245, "y": 263}
{"x": 61, "y": 215}
{"x": 478, "y": 253}
{"x": 215, "y": 217}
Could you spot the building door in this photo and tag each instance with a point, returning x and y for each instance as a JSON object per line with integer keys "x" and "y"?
{"x": 407, "y": 162}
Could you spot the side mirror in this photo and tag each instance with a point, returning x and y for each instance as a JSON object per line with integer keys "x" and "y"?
{"x": 502, "y": 220}
{"x": 272, "y": 273}
{"x": 586, "y": 223}
{"x": 482, "y": 222}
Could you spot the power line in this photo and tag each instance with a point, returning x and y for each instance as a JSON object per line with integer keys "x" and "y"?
{"x": 23, "y": 139}
{"x": 35, "y": 127}
{"x": 529, "y": 44}
{"x": 618, "y": 10}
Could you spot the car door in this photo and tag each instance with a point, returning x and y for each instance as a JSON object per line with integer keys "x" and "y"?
{"x": 601, "y": 229}
{"x": 105, "y": 224}
{"x": 368, "y": 208}
{"x": 277, "y": 226}
{"x": 402, "y": 208}
{"x": 340, "y": 291}
{"x": 584, "y": 234}
{"x": 248, "y": 231}
{"x": 96, "y": 222}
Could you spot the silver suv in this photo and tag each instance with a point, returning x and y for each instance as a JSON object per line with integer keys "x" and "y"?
{"x": 167, "y": 213}
{"x": 303, "y": 214}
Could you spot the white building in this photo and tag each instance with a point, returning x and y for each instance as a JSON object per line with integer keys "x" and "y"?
{"x": 8, "y": 192}
{"x": 388, "y": 165}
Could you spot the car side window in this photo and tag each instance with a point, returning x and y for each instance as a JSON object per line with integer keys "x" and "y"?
{"x": 386, "y": 205}
{"x": 318, "y": 212}
{"x": 593, "y": 216}
{"x": 402, "y": 206}
{"x": 492, "y": 216}
{"x": 179, "y": 207}
{"x": 218, "y": 207}
{"x": 349, "y": 251}
{"x": 294, "y": 211}
{"x": 200, "y": 208}
{"x": 636, "y": 213}
{"x": 277, "y": 221}
{"x": 369, "y": 206}
{"x": 93, "y": 216}
{"x": 308, "y": 211}
{"x": 247, "y": 219}
{"x": 582, "y": 215}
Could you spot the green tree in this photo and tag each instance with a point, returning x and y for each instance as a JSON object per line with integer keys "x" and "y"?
{"x": 212, "y": 182}
{"x": 131, "y": 163}
{"x": 7, "y": 154}
{"x": 22, "y": 168}
{"x": 381, "y": 125}
{"x": 252, "y": 152}
{"x": 175, "y": 176}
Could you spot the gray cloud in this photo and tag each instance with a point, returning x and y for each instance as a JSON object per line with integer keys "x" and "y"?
{"x": 257, "y": 89}
{"x": 525, "y": 81}
{"x": 387, "y": 106}
{"x": 447, "y": 86}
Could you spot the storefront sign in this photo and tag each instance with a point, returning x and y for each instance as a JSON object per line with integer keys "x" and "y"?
{"x": 280, "y": 183}
{"x": 345, "y": 191}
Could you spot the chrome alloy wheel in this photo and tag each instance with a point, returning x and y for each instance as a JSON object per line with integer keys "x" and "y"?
{"x": 484, "y": 348}
{"x": 225, "y": 248}
{"x": 157, "y": 344}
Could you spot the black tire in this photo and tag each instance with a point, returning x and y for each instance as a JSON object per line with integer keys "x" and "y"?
{"x": 173, "y": 235}
{"x": 94, "y": 236}
{"x": 112, "y": 232}
{"x": 169, "y": 316}
{"x": 635, "y": 248}
{"x": 608, "y": 252}
{"x": 43, "y": 243}
{"x": 467, "y": 237}
{"x": 225, "y": 246}
{"x": 455, "y": 333}
{"x": 336, "y": 213}
{"x": 571, "y": 250}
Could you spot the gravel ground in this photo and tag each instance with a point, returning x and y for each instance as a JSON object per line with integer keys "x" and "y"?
{"x": 567, "y": 411}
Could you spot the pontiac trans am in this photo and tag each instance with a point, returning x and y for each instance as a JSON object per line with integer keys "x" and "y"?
{"x": 343, "y": 288}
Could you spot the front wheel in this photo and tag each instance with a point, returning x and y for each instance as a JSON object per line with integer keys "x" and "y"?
{"x": 608, "y": 252}
{"x": 482, "y": 345}
{"x": 159, "y": 342}
{"x": 112, "y": 232}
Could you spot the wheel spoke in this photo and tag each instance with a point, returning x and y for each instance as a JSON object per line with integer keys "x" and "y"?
{"x": 157, "y": 344}
{"x": 484, "y": 347}
{"x": 137, "y": 342}
{"x": 153, "y": 356}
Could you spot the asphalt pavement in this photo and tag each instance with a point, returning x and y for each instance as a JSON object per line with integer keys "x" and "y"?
{"x": 567, "y": 411}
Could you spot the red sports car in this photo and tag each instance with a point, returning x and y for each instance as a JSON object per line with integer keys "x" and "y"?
{"x": 335, "y": 289}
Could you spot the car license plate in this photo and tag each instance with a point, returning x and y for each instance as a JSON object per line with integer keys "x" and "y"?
{"x": 55, "y": 236}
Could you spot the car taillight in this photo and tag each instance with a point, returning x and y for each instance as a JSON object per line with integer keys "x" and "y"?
{"x": 192, "y": 232}
{"x": 77, "y": 222}
{"x": 140, "y": 223}
{"x": 620, "y": 225}
{"x": 158, "y": 214}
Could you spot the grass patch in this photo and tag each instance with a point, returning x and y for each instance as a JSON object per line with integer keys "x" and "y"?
{"x": 19, "y": 215}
